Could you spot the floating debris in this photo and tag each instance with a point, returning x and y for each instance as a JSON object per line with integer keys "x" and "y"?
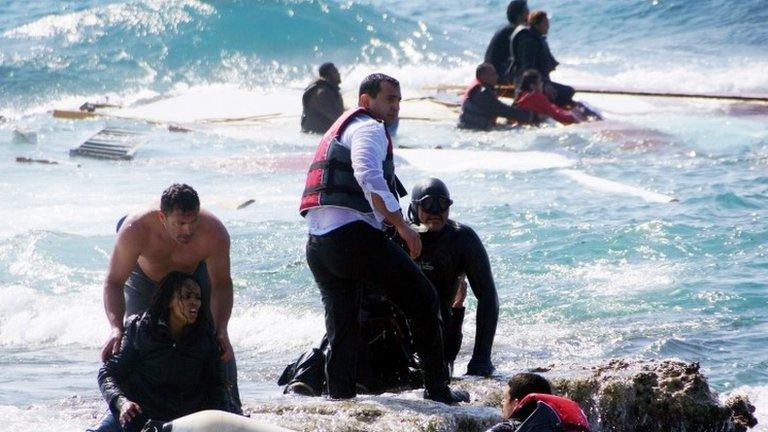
{"x": 110, "y": 143}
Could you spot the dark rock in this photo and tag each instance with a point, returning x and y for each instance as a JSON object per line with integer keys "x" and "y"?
{"x": 649, "y": 396}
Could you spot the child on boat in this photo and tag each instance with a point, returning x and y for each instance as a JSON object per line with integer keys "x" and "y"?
{"x": 530, "y": 96}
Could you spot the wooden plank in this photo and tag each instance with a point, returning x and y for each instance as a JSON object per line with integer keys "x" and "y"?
{"x": 508, "y": 88}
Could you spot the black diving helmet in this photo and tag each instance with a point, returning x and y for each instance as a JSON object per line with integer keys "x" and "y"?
{"x": 430, "y": 195}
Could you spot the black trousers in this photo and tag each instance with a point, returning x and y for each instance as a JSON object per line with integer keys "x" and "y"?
{"x": 354, "y": 254}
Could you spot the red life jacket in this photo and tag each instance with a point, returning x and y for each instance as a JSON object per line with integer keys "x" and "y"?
{"x": 571, "y": 416}
{"x": 331, "y": 180}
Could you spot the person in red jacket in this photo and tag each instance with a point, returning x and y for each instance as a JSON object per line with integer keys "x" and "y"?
{"x": 531, "y": 97}
{"x": 528, "y": 405}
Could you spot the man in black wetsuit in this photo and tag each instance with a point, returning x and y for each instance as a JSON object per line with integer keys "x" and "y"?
{"x": 498, "y": 51}
{"x": 481, "y": 106}
{"x": 530, "y": 50}
{"x": 450, "y": 251}
{"x": 322, "y": 101}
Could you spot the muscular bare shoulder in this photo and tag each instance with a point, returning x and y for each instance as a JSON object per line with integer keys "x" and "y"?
{"x": 213, "y": 231}
{"x": 137, "y": 228}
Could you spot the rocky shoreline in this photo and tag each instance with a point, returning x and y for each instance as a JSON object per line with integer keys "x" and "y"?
{"x": 621, "y": 395}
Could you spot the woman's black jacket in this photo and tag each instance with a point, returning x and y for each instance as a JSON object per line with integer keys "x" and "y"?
{"x": 167, "y": 378}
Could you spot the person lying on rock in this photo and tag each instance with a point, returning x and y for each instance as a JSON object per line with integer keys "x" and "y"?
{"x": 528, "y": 405}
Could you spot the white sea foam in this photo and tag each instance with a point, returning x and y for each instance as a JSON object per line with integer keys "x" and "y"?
{"x": 149, "y": 16}
{"x": 31, "y": 318}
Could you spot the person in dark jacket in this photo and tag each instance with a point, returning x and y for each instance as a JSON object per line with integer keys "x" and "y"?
{"x": 481, "y": 106}
{"x": 450, "y": 252}
{"x": 498, "y": 51}
{"x": 168, "y": 365}
{"x": 530, "y": 50}
{"x": 322, "y": 101}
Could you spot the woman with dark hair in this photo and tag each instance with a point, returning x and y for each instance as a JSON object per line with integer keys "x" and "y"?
{"x": 168, "y": 365}
{"x": 530, "y": 96}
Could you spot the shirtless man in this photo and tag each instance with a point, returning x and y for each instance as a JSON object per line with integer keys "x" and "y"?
{"x": 177, "y": 236}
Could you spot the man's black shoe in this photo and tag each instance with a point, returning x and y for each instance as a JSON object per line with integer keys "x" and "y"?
{"x": 447, "y": 396}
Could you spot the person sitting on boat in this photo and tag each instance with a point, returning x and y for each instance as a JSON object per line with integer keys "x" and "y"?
{"x": 481, "y": 106}
{"x": 530, "y": 96}
{"x": 528, "y": 405}
{"x": 168, "y": 365}
{"x": 498, "y": 51}
{"x": 322, "y": 101}
{"x": 530, "y": 50}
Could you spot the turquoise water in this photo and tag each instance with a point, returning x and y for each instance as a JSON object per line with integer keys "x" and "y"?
{"x": 583, "y": 274}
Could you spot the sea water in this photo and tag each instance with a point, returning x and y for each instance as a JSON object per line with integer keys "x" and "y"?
{"x": 585, "y": 272}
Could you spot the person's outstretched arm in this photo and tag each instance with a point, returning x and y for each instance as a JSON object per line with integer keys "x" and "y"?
{"x": 221, "y": 287}
{"x": 114, "y": 372}
{"x": 121, "y": 263}
{"x": 478, "y": 270}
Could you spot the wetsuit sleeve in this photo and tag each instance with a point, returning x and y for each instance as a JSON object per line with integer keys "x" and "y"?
{"x": 117, "y": 368}
{"x": 368, "y": 151}
{"x": 326, "y": 102}
{"x": 478, "y": 271}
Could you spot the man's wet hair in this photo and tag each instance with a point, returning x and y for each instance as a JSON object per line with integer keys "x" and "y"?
{"x": 181, "y": 197}
{"x": 536, "y": 18}
{"x": 523, "y": 384}
{"x": 483, "y": 68}
{"x": 325, "y": 69}
{"x": 529, "y": 78}
{"x": 515, "y": 9}
{"x": 371, "y": 85}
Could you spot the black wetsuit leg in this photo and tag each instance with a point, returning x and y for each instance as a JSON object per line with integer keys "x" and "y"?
{"x": 358, "y": 253}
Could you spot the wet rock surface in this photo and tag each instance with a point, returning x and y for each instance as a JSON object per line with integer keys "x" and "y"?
{"x": 621, "y": 395}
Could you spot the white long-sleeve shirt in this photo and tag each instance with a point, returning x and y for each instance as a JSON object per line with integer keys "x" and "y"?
{"x": 367, "y": 142}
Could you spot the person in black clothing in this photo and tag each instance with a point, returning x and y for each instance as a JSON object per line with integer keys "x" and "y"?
{"x": 386, "y": 358}
{"x": 530, "y": 50}
{"x": 168, "y": 365}
{"x": 481, "y": 106}
{"x": 450, "y": 251}
{"x": 322, "y": 101}
{"x": 498, "y": 51}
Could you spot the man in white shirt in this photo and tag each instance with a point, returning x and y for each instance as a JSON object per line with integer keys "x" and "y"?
{"x": 351, "y": 191}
